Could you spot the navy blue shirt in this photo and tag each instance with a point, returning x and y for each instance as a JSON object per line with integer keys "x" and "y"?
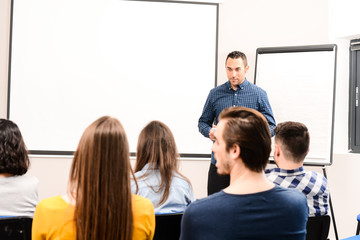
{"x": 279, "y": 213}
{"x": 224, "y": 96}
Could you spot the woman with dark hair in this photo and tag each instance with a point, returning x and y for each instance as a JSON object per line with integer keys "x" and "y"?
{"x": 19, "y": 193}
{"x": 156, "y": 170}
{"x": 99, "y": 204}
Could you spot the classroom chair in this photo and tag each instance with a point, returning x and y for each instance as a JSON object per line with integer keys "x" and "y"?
{"x": 167, "y": 226}
{"x": 356, "y": 237}
{"x": 317, "y": 228}
{"x": 15, "y": 228}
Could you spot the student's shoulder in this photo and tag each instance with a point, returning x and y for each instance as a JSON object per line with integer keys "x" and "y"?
{"x": 142, "y": 208}
{"x": 319, "y": 182}
{"x": 180, "y": 181}
{"x": 140, "y": 202}
{"x": 208, "y": 202}
{"x": 290, "y": 194}
{"x": 293, "y": 201}
{"x": 28, "y": 179}
{"x": 315, "y": 175}
{"x": 25, "y": 183}
{"x": 55, "y": 203}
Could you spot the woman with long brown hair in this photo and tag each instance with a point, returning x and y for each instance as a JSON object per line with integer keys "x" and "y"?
{"x": 99, "y": 204}
{"x": 156, "y": 170}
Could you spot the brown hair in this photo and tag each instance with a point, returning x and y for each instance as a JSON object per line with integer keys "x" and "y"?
{"x": 294, "y": 139}
{"x": 236, "y": 55}
{"x": 248, "y": 129}
{"x": 156, "y": 147}
{"x": 100, "y": 182}
{"x": 14, "y": 157}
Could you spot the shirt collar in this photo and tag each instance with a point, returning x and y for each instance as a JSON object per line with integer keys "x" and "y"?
{"x": 148, "y": 166}
{"x": 241, "y": 86}
{"x": 293, "y": 172}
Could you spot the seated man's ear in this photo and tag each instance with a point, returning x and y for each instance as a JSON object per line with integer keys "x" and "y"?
{"x": 277, "y": 150}
{"x": 235, "y": 151}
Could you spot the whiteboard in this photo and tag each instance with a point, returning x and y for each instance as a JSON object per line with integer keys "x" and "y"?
{"x": 300, "y": 83}
{"x": 72, "y": 61}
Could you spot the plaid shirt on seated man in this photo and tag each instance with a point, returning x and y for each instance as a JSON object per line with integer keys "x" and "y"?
{"x": 312, "y": 184}
{"x": 292, "y": 142}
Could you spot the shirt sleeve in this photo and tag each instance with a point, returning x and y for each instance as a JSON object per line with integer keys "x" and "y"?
{"x": 207, "y": 117}
{"x": 266, "y": 110}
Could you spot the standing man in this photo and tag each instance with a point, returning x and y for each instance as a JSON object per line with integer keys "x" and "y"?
{"x": 238, "y": 91}
{"x": 292, "y": 142}
{"x": 251, "y": 207}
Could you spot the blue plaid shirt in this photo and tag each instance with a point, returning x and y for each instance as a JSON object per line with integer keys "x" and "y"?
{"x": 312, "y": 184}
{"x": 224, "y": 96}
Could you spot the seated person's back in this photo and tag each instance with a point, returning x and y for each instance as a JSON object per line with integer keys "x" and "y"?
{"x": 99, "y": 203}
{"x": 292, "y": 141}
{"x": 19, "y": 192}
{"x": 156, "y": 170}
{"x": 54, "y": 218}
{"x": 251, "y": 207}
{"x": 278, "y": 213}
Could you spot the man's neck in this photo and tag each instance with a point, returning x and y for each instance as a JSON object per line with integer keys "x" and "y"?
{"x": 247, "y": 182}
{"x": 289, "y": 164}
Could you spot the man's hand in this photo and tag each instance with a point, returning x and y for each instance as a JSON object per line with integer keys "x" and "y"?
{"x": 211, "y": 133}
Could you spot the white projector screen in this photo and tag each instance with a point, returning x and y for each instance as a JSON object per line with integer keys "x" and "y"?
{"x": 74, "y": 61}
{"x": 300, "y": 83}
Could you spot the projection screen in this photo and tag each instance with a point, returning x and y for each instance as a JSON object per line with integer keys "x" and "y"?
{"x": 74, "y": 61}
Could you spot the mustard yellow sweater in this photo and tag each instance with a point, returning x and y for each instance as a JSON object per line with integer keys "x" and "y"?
{"x": 53, "y": 219}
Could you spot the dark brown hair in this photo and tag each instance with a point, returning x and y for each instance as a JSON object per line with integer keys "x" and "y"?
{"x": 14, "y": 157}
{"x": 100, "y": 182}
{"x": 294, "y": 139}
{"x": 236, "y": 55}
{"x": 248, "y": 129}
{"x": 156, "y": 147}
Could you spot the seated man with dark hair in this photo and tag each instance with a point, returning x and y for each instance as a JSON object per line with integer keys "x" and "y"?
{"x": 292, "y": 141}
{"x": 251, "y": 207}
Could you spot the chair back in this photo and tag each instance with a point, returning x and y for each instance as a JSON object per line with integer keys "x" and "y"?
{"x": 317, "y": 228}
{"x": 167, "y": 226}
{"x": 15, "y": 228}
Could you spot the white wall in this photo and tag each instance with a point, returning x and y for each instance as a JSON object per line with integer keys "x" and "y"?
{"x": 245, "y": 26}
{"x": 248, "y": 25}
{"x": 343, "y": 174}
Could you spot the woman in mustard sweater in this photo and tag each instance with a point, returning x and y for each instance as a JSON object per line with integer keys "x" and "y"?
{"x": 99, "y": 204}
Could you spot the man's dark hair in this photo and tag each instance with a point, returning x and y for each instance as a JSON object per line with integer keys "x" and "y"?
{"x": 248, "y": 129}
{"x": 294, "y": 138}
{"x": 236, "y": 55}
